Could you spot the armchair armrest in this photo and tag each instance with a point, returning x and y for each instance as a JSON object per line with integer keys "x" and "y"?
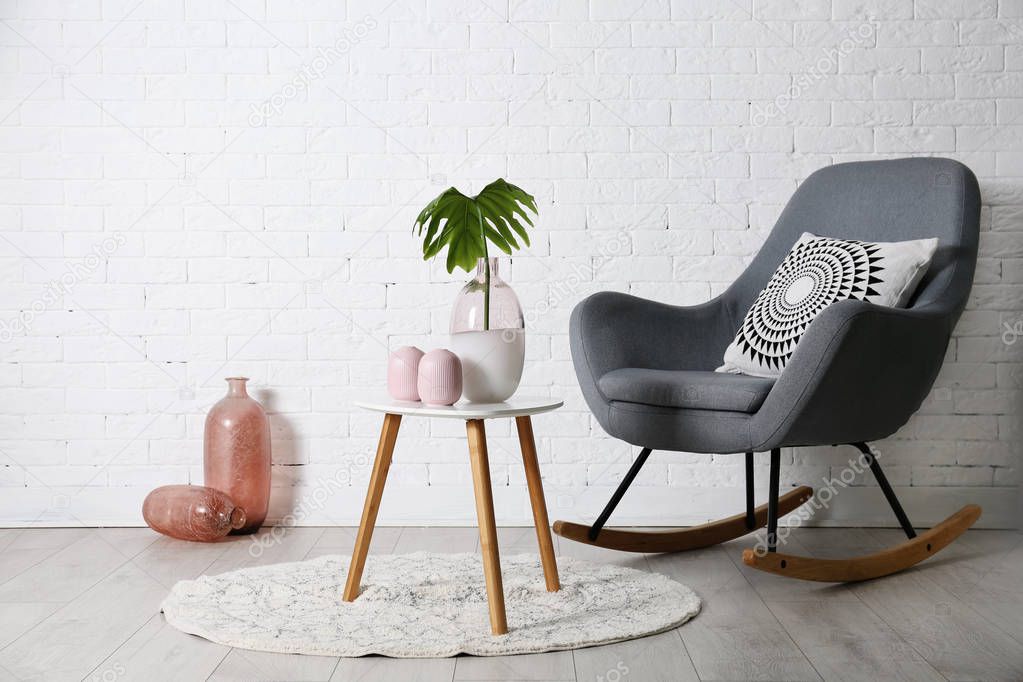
{"x": 611, "y": 330}
{"x": 859, "y": 373}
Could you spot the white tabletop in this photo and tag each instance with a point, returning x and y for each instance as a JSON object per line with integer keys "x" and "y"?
{"x": 513, "y": 407}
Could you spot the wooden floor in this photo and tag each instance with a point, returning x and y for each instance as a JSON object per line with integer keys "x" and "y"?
{"x": 84, "y": 604}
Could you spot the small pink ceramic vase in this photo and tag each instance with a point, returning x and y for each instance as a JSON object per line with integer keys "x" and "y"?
{"x": 403, "y": 373}
{"x": 440, "y": 378}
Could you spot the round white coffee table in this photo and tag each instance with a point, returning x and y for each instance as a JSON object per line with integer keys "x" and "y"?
{"x": 474, "y": 415}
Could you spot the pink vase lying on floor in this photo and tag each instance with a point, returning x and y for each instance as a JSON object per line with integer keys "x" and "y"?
{"x": 236, "y": 452}
{"x": 191, "y": 512}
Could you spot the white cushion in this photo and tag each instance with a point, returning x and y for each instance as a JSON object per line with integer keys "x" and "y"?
{"x": 817, "y": 272}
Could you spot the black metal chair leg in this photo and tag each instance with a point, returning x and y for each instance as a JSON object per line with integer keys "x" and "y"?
{"x": 886, "y": 488}
{"x": 751, "y": 520}
{"x": 619, "y": 493}
{"x": 772, "y": 501}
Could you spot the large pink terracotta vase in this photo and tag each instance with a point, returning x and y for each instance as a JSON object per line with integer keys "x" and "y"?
{"x": 191, "y": 512}
{"x": 236, "y": 453}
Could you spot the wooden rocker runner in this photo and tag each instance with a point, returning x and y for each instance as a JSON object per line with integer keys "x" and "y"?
{"x": 858, "y": 374}
{"x": 902, "y": 556}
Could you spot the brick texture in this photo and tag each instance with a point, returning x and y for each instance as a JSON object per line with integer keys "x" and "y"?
{"x": 191, "y": 190}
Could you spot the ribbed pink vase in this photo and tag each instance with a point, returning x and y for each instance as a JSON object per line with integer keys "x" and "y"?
{"x": 440, "y": 378}
{"x": 403, "y": 373}
{"x": 192, "y": 512}
{"x": 236, "y": 453}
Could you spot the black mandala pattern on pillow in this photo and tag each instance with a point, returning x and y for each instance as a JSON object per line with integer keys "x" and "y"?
{"x": 815, "y": 274}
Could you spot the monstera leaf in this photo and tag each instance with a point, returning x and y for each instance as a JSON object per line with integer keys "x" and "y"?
{"x": 465, "y": 224}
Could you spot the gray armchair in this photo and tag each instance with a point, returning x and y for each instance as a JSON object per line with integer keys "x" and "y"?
{"x": 860, "y": 371}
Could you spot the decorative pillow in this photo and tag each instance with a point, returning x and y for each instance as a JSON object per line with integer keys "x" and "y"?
{"x": 817, "y": 272}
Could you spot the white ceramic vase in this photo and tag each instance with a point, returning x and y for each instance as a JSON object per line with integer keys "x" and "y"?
{"x": 491, "y": 363}
{"x": 488, "y": 335}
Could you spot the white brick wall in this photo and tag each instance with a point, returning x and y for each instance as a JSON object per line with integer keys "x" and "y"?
{"x": 194, "y": 189}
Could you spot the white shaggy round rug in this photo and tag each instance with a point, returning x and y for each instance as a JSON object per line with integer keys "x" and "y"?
{"x": 425, "y": 605}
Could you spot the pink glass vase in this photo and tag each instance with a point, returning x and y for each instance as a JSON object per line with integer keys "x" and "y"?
{"x": 403, "y": 373}
{"x": 236, "y": 453}
{"x": 440, "y": 378}
{"x": 191, "y": 512}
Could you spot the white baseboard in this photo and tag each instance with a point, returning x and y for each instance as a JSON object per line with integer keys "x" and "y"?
{"x": 454, "y": 506}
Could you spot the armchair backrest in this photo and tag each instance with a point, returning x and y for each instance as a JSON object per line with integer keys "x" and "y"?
{"x": 884, "y": 201}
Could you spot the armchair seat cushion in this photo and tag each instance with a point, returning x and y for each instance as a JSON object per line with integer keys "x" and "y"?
{"x": 687, "y": 389}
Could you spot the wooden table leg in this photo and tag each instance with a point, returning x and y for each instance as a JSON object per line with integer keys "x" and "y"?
{"x": 388, "y": 434}
{"x": 539, "y": 504}
{"x": 488, "y": 526}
